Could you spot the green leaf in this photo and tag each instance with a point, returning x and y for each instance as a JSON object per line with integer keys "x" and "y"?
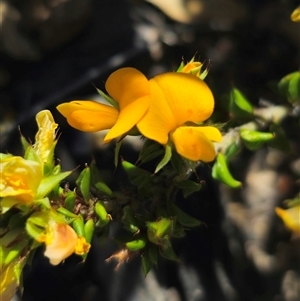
{"x": 221, "y": 172}
{"x": 147, "y": 264}
{"x": 153, "y": 253}
{"x": 239, "y": 106}
{"x": 188, "y": 187}
{"x": 167, "y": 251}
{"x": 165, "y": 159}
{"x": 117, "y": 151}
{"x": 150, "y": 150}
{"x": 84, "y": 182}
{"x": 25, "y": 144}
{"x": 131, "y": 223}
{"x": 48, "y": 183}
{"x": 183, "y": 218}
{"x": 253, "y": 140}
{"x": 108, "y": 98}
{"x": 97, "y": 180}
{"x": 280, "y": 140}
{"x": 178, "y": 164}
{"x": 137, "y": 175}
{"x": 232, "y": 150}
{"x": 289, "y": 86}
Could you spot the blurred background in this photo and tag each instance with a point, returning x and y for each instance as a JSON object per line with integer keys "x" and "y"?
{"x": 53, "y": 51}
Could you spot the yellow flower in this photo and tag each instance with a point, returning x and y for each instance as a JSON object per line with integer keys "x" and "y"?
{"x": 8, "y": 281}
{"x": 295, "y": 16}
{"x": 45, "y": 137}
{"x": 179, "y": 102}
{"x": 290, "y": 217}
{"x": 62, "y": 241}
{"x": 129, "y": 88}
{"x": 20, "y": 178}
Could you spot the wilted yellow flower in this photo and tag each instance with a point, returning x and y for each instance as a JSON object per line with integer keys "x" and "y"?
{"x": 290, "y": 217}
{"x": 45, "y": 137}
{"x": 129, "y": 88}
{"x": 179, "y": 103}
{"x": 62, "y": 241}
{"x": 20, "y": 178}
{"x": 8, "y": 281}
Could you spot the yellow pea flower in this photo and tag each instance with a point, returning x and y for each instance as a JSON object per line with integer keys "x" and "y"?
{"x": 179, "y": 102}
{"x": 62, "y": 241}
{"x": 129, "y": 88}
{"x": 20, "y": 178}
{"x": 45, "y": 137}
{"x": 290, "y": 217}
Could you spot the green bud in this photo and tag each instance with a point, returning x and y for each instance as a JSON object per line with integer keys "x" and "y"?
{"x": 136, "y": 244}
{"x": 221, "y": 172}
{"x": 158, "y": 230}
{"x": 70, "y": 201}
{"x": 104, "y": 217}
{"x": 254, "y": 139}
{"x": 89, "y": 228}
{"x": 78, "y": 225}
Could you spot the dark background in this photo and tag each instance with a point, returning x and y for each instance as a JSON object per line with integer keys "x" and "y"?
{"x": 53, "y": 51}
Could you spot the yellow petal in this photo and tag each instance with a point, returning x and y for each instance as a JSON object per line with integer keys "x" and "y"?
{"x": 82, "y": 247}
{"x": 20, "y": 178}
{"x": 210, "y": 132}
{"x": 290, "y": 217}
{"x": 8, "y": 281}
{"x": 128, "y": 117}
{"x": 159, "y": 119}
{"x": 45, "y": 137}
{"x": 295, "y": 16}
{"x": 62, "y": 243}
{"x": 127, "y": 85}
{"x": 89, "y": 116}
{"x": 189, "y": 98}
{"x": 192, "y": 144}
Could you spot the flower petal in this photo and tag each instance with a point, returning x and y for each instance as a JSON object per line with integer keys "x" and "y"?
{"x": 210, "y": 132}
{"x": 159, "y": 119}
{"x": 63, "y": 243}
{"x": 192, "y": 144}
{"x": 127, "y": 85}
{"x": 128, "y": 118}
{"x": 189, "y": 98}
{"x": 89, "y": 116}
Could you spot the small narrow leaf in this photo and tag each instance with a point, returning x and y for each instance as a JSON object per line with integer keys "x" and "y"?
{"x": 221, "y": 172}
{"x": 165, "y": 159}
